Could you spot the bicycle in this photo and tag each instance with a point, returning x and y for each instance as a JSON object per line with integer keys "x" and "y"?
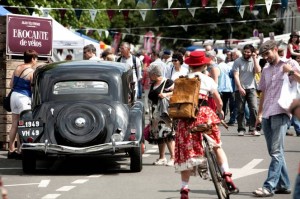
{"x": 222, "y": 185}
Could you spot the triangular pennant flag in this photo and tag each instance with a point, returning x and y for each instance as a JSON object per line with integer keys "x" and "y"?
{"x": 156, "y": 28}
{"x": 93, "y": 14}
{"x": 141, "y": 39}
{"x": 268, "y": 5}
{"x": 119, "y": 1}
{"x": 251, "y": 4}
{"x": 123, "y": 35}
{"x": 174, "y": 41}
{"x": 175, "y": 13}
{"x": 153, "y": 3}
{"x": 298, "y": 5}
{"x": 188, "y": 3}
{"x": 242, "y": 11}
{"x": 125, "y": 14}
{"x": 170, "y": 2}
{"x": 128, "y": 30}
{"x": 78, "y": 13}
{"x": 220, "y": 3}
{"x": 106, "y": 33}
{"x": 185, "y": 27}
{"x": 238, "y": 4}
{"x": 284, "y": 4}
{"x": 137, "y": 1}
{"x": 158, "y": 14}
{"x": 45, "y": 12}
{"x": 204, "y": 3}
{"x": 100, "y": 32}
{"x": 192, "y": 11}
{"x": 30, "y": 10}
{"x": 62, "y": 13}
{"x": 111, "y": 14}
{"x": 143, "y": 14}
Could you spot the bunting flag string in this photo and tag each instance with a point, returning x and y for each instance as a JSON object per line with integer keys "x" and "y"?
{"x": 143, "y": 14}
{"x": 118, "y": 2}
{"x": 204, "y": 3}
{"x": 220, "y": 4}
{"x": 238, "y": 4}
{"x": 298, "y": 5}
{"x": 251, "y": 4}
{"x": 78, "y": 13}
{"x": 170, "y": 2}
{"x": 192, "y": 11}
{"x": 242, "y": 11}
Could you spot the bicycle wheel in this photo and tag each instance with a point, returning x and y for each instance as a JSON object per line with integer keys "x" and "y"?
{"x": 216, "y": 174}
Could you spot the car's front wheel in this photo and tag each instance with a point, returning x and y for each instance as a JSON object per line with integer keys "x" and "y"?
{"x": 28, "y": 161}
{"x": 136, "y": 161}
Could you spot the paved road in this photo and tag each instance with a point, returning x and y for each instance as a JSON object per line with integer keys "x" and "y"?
{"x": 105, "y": 178}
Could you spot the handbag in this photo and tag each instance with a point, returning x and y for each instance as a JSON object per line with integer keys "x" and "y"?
{"x": 289, "y": 92}
{"x": 6, "y": 100}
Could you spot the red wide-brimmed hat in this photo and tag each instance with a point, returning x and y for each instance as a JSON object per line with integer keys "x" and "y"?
{"x": 197, "y": 58}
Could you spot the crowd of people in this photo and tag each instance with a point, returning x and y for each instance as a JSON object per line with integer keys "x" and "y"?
{"x": 239, "y": 85}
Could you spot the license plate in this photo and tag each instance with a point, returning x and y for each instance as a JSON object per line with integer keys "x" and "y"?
{"x": 31, "y": 123}
{"x": 30, "y": 132}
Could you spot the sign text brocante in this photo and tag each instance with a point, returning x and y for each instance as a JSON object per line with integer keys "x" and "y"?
{"x": 26, "y": 32}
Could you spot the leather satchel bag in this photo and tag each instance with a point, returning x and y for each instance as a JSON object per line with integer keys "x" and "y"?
{"x": 185, "y": 98}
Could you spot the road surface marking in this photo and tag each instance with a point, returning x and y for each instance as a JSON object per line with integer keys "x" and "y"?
{"x": 80, "y": 181}
{"x": 247, "y": 170}
{"x": 16, "y": 185}
{"x": 146, "y": 155}
{"x": 66, "y": 188}
{"x": 94, "y": 176}
{"x": 50, "y": 196}
{"x": 151, "y": 151}
{"x": 44, "y": 183}
{"x": 155, "y": 147}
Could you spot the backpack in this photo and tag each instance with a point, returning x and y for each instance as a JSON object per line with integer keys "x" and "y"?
{"x": 134, "y": 64}
{"x": 184, "y": 101}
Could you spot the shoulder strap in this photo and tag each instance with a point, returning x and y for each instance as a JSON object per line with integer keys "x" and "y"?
{"x": 163, "y": 87}
{"x": 119, "y": 59}
{"x": 20, "y": 75}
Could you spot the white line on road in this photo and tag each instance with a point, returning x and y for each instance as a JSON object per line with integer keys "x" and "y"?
{"x": 80, "y": 181}
{"x": 44, "y": 183}
{"x": 50, "y": 196}
{"x": 247, "y": 170}
{"x": 94, "y": 176}
{"x": 66, "y": 188}
{"x": 15, "y": 185}
{"x": 151, "y": 151}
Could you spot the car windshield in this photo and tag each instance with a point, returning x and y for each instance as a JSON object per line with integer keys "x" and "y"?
{"x": 79, "y": 87}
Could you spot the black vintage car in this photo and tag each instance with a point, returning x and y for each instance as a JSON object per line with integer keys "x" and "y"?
{"x": 82, "y": 108}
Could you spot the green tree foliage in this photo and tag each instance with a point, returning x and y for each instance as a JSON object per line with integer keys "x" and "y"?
{"x": 207, "y": 23}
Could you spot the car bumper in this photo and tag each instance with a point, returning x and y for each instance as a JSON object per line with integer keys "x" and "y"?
{"x": 60, "y": 149}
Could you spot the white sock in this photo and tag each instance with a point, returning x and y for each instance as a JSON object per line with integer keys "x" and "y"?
{"x": 225, "y": 167}
{"x": 184, "y": 185}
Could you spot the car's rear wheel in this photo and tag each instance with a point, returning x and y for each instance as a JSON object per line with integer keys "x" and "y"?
{"x": 136, "y": 161}
{"x": 28, "y": 161}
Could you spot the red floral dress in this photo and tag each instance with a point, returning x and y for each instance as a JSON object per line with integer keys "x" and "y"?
{"x": 188, "y": 147}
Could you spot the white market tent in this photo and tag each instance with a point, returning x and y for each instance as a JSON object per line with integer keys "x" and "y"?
{"x": 67, "y": 42}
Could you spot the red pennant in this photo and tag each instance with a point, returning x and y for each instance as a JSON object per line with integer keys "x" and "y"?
{"x": 154, "y": 2}
{"x": 175, "y": 13}
{"x": 251, "y": 4}
{"x": 111, "y": 14}
{"x": 125, "y": 14}
{"x": 204, "y": 3}
{"x": 298, "y": 5}
{"x": 62, "y": 13}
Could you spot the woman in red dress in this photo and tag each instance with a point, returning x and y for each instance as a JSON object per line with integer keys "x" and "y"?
{"x": 188, "y": 148}
{"x": 293, "y": 45}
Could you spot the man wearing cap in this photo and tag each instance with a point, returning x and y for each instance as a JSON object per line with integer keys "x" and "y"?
{"x": 244, "y": 69}
{"x": 167, "y": 58}
{"x": 274, "y": 119}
